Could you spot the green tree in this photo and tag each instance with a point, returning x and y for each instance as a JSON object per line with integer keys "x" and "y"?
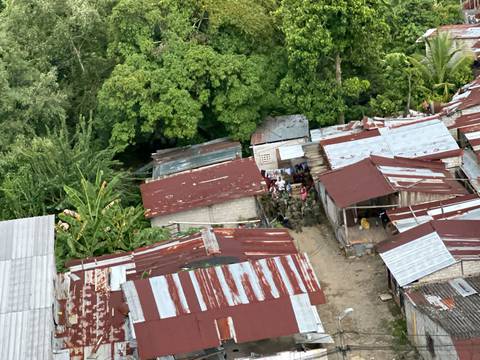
{"x": 97, "y": 223}
{"x": 31, "y": 100}
{"x": 188, "y": 67}
{"x": 444, "y": 66}
{"x": 69, "y": 36}
{"x": 330, "y": 43}
{"x": 35, "y": 170}
{"x": 409, "y": 19}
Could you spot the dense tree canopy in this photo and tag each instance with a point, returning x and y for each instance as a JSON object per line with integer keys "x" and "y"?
{"x": 153, "y": 73}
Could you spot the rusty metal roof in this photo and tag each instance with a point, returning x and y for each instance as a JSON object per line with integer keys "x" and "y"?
{"x": 471, "y": 168}
{"x": 175, "y": 160}
{"x": 280, "y": 128}
{"x": 462, "y": 208}
{"x": 93, "y": 308}
{"x": 408, "y": 141}
{"x": 27, "y": 271}
{"x": 198, "y": 309}
{"x": 416, "y": 253}
{"x": 377, "y": 176}
{"x": 456, "y": 31}
{"x": 202, "y": 187}
{"x": 457, "y": 313}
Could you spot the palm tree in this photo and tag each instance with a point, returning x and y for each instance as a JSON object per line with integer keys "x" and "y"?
{"x": 443, "y": 59}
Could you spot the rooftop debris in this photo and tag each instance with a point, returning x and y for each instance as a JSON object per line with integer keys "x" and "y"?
{"x": 455, "y": 308}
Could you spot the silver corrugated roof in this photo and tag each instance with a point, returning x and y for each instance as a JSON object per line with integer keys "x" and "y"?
{"x": 27, "y": 270}
{"x": 418, "y": 258}
{"x": 407, "y": 141}
{"x": 280, "y": 128}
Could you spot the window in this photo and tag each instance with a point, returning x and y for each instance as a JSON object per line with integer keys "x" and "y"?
{"x": 430, "y": 345}
{"x": 265, "y": 158}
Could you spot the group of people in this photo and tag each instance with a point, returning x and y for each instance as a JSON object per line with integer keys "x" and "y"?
{"x": 278, "y": 186}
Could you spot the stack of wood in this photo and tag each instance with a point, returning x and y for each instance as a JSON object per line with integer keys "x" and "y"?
{"x": 315, "y": 160}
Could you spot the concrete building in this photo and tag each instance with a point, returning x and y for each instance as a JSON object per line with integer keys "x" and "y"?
{"x": 219, "y": 194}
{"x": 443, "y": 319}
{"x": 277, "y": 136}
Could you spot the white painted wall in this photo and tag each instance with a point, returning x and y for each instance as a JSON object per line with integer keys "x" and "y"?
{"x": 263, "y": 151}
{"x": 232, "y": 210}
{"x": 418, "y": 325}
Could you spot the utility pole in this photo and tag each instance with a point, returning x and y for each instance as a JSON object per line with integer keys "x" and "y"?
{"x": 342, "y": 348}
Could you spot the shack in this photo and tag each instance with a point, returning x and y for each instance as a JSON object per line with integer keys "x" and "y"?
{"x": 279, "y": 139}
{"x": 220, "y": 194}
{"x": 434, "y": 251}
{"x": 355, "y": 196}
{"x": 205, "y": 309}
{"x": 442, "y": 319}
{"x": 405, "y": 141}
{"x": 27, "y": 272}
{"x": 96, "y": 322}
{"x": 167, "y": 162}
{"x": 463, "y": 35}
{"x": 461, "y": 208}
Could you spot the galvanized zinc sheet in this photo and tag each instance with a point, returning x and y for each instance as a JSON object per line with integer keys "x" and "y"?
{"x": 27, "y": 270}
{"x": 291, "y": 152}
{"x": 418, "y": 258}
{"x": 407, "y": 141}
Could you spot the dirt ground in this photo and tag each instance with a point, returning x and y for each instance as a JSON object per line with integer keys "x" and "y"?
{"x": 355, "y": 283}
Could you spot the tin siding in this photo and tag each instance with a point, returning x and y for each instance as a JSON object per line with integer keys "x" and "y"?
{"x": 409, "y": 198}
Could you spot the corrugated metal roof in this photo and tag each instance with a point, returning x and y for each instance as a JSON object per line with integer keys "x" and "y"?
{"x": 198, "y": 309}
{"x": 377, "y": 176}
{"x": 462, "y": 208}
{"x": 458, "y": 315}
{"x": 418, "y": 258}
{"x": 460, "y": 237}
{"x": 280, "y": 128}
{"x": 27, "y": 270}
{"x": 291, "y": 152}
{"x": 175, "y": 160}
{"x": 202, "y": 187}
{"x": 456, "y": 31}
{"x": 408, "y": 141}
{"x": 93, "y": 309}
{"x": 471, "y": 168}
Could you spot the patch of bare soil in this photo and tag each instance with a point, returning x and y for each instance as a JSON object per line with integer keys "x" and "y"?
{"x": 355, "y": 283}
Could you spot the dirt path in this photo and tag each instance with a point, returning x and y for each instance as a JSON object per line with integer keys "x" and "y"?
{"x": 355, "y": 283}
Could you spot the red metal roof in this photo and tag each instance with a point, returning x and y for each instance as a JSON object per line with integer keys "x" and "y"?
{"x": 405, "y": 218}
{"x": 461, "y": 237}
{"x": 93, "y": 314}
{"x": 377, "y": 176}
{"x": 245, "y": 302}
{"x": 202, "y": 187}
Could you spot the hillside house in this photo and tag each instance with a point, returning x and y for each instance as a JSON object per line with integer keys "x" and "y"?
{"x": 434, "y": 251}
{"x": 460, "y": 208}
{"x": 442, "y": 319}
{"x": 172, "y": 161}
{"x": 355, "y": 196}
{"x": 27, "y": 272}
{"x": 97, "y": 323}
{"x": 279, "y": 139}
{"x": 218, "y": 194}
